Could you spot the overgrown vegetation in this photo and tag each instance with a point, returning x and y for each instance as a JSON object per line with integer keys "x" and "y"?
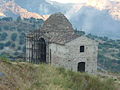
{"x": 26, "y": 76}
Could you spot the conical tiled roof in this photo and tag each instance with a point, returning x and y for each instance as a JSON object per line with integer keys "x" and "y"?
{"x": 57, "y": 29}
{"x": 57, "y": 22}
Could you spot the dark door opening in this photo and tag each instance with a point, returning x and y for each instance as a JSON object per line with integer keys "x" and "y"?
{"x": 81, "y": 66}
{"x": 41, "y": 54}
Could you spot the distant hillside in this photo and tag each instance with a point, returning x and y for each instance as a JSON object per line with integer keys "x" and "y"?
{"x": 99, "y": 17}
{"x": 109, "y": 53}
{"x": 26, "y": 76}
{"x": 13, "y": 33}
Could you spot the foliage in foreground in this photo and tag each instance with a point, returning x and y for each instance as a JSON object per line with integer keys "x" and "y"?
{"x": 25, "y": 76}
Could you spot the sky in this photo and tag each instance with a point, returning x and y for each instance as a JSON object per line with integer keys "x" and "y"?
{"x": 70, "y": 1}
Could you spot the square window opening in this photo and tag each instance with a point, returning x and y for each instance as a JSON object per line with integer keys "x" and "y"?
{"x": 82, "y": 48}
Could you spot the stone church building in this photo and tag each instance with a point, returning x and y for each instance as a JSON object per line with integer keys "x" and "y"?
{"x": 56, "y": 43}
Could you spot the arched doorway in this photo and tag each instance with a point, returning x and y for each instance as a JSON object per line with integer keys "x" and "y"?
{"x": 81, "y": 67}
{"x": 41, "y": 52}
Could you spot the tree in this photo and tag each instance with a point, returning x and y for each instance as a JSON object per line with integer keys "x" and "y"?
{"x": 19, "y": 19}
{"x": 19, "y": 48}
{"x": 7, "y": 44}
{"x": 79, "y": 32}
{"x": 13, "y": 45}
{"x": 14, "y": 36}
{"x": 32, "y": 20}
{"x": 24, "y": 49}
{"x": 3, "y": 36}
{"x": 0, "y": 28}
{"x": 1, "y": 46}
{"x": 41, "y": 21}
{"x": 6, "y": 27}
{"x": 22, "y": 39}
{"x": 7, "y": 19}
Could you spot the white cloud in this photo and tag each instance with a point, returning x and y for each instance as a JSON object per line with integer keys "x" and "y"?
{"x": 69, "y": 1}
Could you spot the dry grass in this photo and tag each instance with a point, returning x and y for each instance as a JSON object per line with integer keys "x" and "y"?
{"x": 26, "y": 76}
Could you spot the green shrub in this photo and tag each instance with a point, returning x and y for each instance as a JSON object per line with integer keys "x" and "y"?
{"x": 3, "y": 36}
{"x": 22, "y": 39}
{"x": 6, "y": 27}
{"x": 1, "y": 46}
{"x": 7, "y": 44}
{"x": 19, "y": 47}
{"x": 6, "y": 19}
{"x": 4, "y": 58}
{"x": 14, "y": 36}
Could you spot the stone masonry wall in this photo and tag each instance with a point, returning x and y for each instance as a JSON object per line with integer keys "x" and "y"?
{"x": 58, "y": 55}
{"x": 89, "y": 56}
{"x": 69, "y": 55}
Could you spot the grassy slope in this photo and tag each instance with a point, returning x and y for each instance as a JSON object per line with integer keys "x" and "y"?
{"x": 25, "y": 76}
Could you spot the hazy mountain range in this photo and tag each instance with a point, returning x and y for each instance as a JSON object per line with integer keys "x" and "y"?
{"x": 101, "y": 17}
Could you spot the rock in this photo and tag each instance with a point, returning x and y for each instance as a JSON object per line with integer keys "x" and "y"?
{"x": 2, "y": 74}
